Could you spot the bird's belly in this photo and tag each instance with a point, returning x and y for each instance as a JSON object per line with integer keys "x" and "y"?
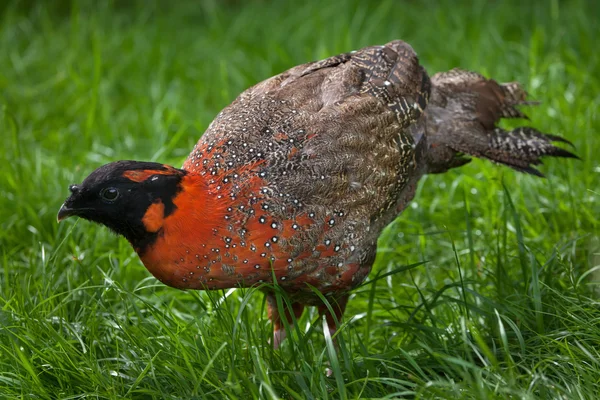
{"x": 326, "y": 270}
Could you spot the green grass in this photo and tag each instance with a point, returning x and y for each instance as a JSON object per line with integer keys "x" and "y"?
{"x": 488, "y": 283}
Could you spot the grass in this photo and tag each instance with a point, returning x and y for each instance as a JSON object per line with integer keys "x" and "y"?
{"x": 486, "y": 287}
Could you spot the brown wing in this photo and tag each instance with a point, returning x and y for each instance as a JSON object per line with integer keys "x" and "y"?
{"x": 343, "y": 117}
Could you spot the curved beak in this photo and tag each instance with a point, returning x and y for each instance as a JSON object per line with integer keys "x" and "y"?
{"x": 64, "y": 212}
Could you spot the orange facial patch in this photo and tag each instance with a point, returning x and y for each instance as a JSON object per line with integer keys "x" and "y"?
{"x": 140, "y": 175}
{"x": 154, "y": 217}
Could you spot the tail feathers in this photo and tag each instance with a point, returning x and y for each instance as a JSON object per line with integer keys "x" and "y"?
{"x": 492, "y": 101}
{"x": 462, "y": 118}
{"x": 523, "y": 147}
{"x": 514, "y": 95}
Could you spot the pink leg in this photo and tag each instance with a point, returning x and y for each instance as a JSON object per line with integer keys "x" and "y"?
{"x": 279, "y": 332}
{"x": 333, "y": 320}
{"x": 338, "y": 306}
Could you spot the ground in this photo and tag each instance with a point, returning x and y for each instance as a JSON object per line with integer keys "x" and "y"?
{"x": 486, "y": 287}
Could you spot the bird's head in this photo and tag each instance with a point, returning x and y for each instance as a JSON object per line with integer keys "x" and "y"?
{"x": 131, "y": 198}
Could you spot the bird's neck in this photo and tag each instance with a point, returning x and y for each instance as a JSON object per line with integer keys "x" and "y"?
{"x": 189, "y": 234}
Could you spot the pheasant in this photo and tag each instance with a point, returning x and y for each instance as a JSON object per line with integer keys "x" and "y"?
{"x": 294, "y": 181}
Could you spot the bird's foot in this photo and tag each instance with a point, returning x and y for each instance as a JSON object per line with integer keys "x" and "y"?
{"x": 278, "y": 337}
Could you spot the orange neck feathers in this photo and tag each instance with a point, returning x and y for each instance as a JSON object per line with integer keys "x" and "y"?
{"x": 187, "y": 235}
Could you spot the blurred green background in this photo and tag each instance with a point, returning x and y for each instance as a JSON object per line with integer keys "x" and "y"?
{"x": 491, "y": 289}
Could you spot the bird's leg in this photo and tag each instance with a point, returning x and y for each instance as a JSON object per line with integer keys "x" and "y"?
{"x": 279, "y": 332}
{"x": 333, "y": 320}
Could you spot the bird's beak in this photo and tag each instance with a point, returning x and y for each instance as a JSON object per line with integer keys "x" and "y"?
{"x": 64, "y": 212}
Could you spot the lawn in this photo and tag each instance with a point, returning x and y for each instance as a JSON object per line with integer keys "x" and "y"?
{"x": 486, "y": 287}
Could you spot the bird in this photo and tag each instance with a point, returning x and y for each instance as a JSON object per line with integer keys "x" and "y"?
{"x": 293, "y": 182}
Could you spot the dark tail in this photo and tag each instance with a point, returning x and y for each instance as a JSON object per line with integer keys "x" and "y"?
{"x": 462, "y": 114}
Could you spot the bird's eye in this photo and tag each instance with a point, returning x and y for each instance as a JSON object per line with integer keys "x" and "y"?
{"x": 109, "y": 194}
